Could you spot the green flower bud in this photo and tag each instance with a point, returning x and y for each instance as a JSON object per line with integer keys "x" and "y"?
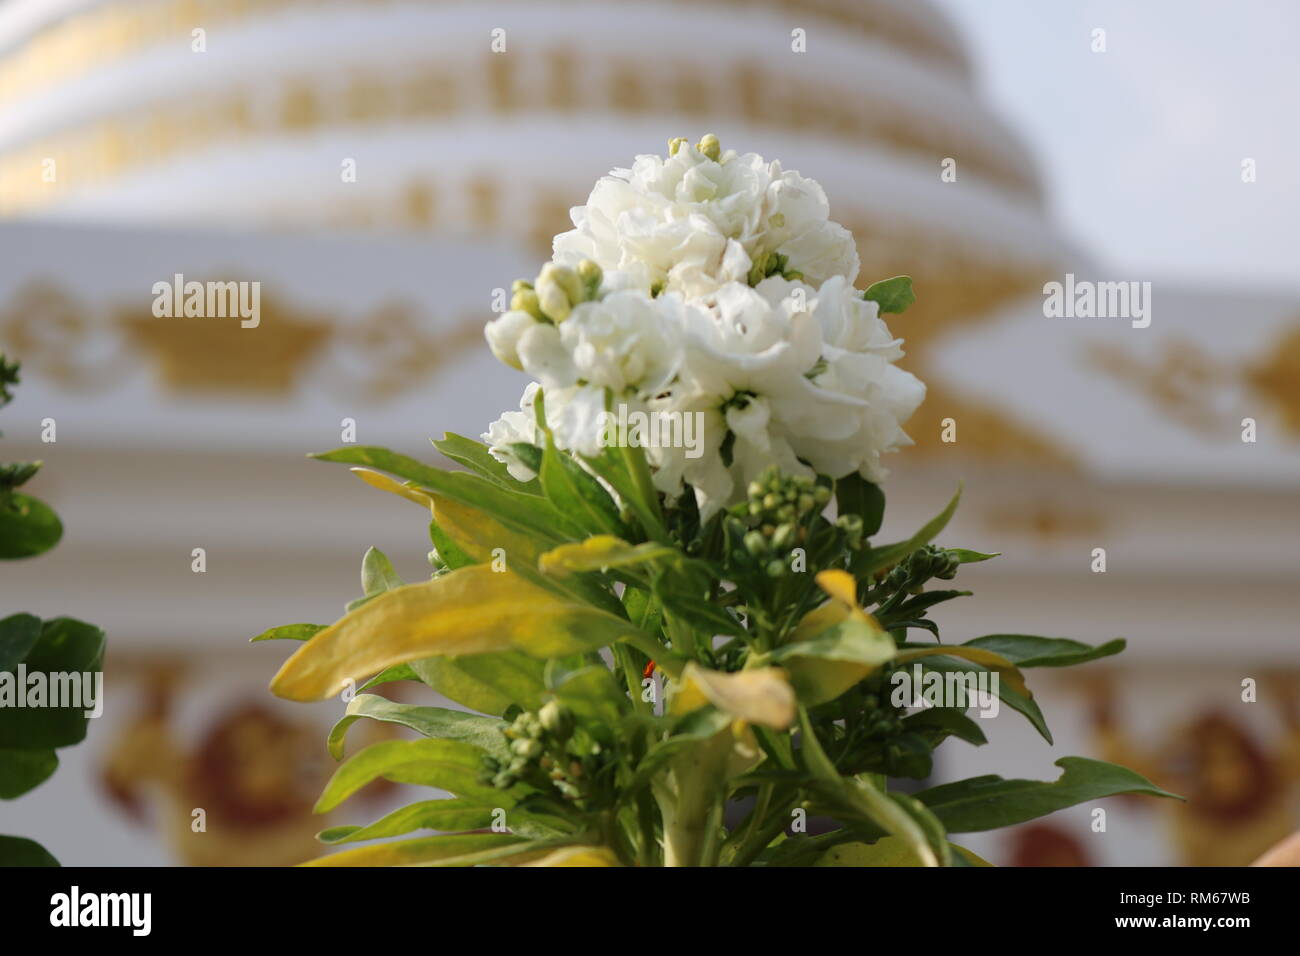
{"x": 756, "y": 543}
{"x": 591, "y": 275}
{"x": 775, "y": 568}
{"x": 710, "y": 147}
{"x": 784, "y": 537}
{"x": 525, "y": 300}
{"x": 675, "y": 144}
{"x": 558, "y": 287}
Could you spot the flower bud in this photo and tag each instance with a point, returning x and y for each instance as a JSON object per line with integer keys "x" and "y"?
{"x": 556, "y": 719}
{"x": 591, "y": 275}
{"x": 525, "y": 300}
{"x": 558, "y": 288}
{"x": 503, "y": 334}
{"x": 710, "y": 147}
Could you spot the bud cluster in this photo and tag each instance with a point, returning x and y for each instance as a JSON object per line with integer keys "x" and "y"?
{"x": 920, "y": 566}
{"x": 539, "y": 755}
{"x": 773, "y": 519}
{"x": 557, "y": 289}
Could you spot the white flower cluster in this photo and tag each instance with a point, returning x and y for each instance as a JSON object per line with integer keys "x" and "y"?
{"x": 710, "y": 287}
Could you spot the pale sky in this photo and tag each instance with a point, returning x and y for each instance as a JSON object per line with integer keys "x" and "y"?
{"x": 1141, "y": 146}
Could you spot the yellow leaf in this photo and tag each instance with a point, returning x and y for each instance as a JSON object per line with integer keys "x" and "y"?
{"x": 843, "y": 591}
{"x": 974, "y": 859}
{"x": 1006, "y": 670}
{"x": 385, "y": 483}
{"x": 834, "y": 646}
{"x": 474, "y": 532}
{"x": 473, "y": 610}
{"x": 598, "y": 553}
{"x": 577, "y": 856}
{"x": 460, "y": 849}
{"x": 759, "y": 696}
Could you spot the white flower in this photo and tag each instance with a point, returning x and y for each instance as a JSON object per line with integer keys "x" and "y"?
{"x": 787, "y": 376}
{"x": 690, "y": 223}
{"x": 710, "y": 289}
{"x": 514, "y": 428}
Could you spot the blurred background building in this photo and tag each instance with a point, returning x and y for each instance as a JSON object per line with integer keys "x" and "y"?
{"x": 382, "y": 167}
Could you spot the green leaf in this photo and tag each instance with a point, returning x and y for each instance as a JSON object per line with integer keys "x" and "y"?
{"x": 966, "y": 556}
{"x": 519, "y": 510}
{"x": 891, "y": 295}
{"x": 476, "y": 457}
{"x": 1006, "y": 692}
{"x": 28, "y": 526}
{"x": 936, "y": 724}
{"x": 1025, "y": 650}
{"x": 395, "y": 673}
{"x": 18, "y": 635}
{"x": 452, "y": 554}
{"x": 887, "y": 851}
{"x": 871, "y": 560}
{"x": 19, "y": 851}
{"x": 824, "y": 667}
{"x": 451, "y": 765}
{"x": 854, "y": 495}
{"x": 512, "y": 676}
{"x": 990, "y": 802}
{"x": 576, "y": 493}
{"x": 377, "y": 574}
{"x": 289, "y": 632}
{"x": 449, "y": 816}
{"x": 445, "y": 676}
{"x": 67, "y": 649}
{"x": 696, "y": 727}
{"x": 438, "y": 722}
{"x": 24, "y": 770}
{"x": 594, "y": 697}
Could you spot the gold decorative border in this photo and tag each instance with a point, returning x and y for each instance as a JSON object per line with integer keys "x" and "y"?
{"x": 112, "y": 31}
{"x": 108, "y": 146}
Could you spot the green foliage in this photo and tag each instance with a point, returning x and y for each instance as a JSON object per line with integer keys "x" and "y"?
{"x": 891, "y": 295}
{"x": 635, "y": 669}
{"x": 37, "y": 658}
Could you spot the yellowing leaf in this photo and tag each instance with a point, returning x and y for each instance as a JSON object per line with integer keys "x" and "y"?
{"x": 759, "y": 696}
{"x": 824, "y": 667}
{"x": 459, "y": 849}
{"x": 887, "y": 851}
{"x": 598, "y": 553}
{"x": 473, "y": 610}
{"x": 474, "y": 532}
{"x": 386, "y": 483}
{"x": 1006, "y": 670}
{"x": 843, "y": 591}
{"x": 577, "y": 856}
{"x": 974, "y": 859}
{"x": 840, "y": 586}
{"x": 834, "y": 646}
